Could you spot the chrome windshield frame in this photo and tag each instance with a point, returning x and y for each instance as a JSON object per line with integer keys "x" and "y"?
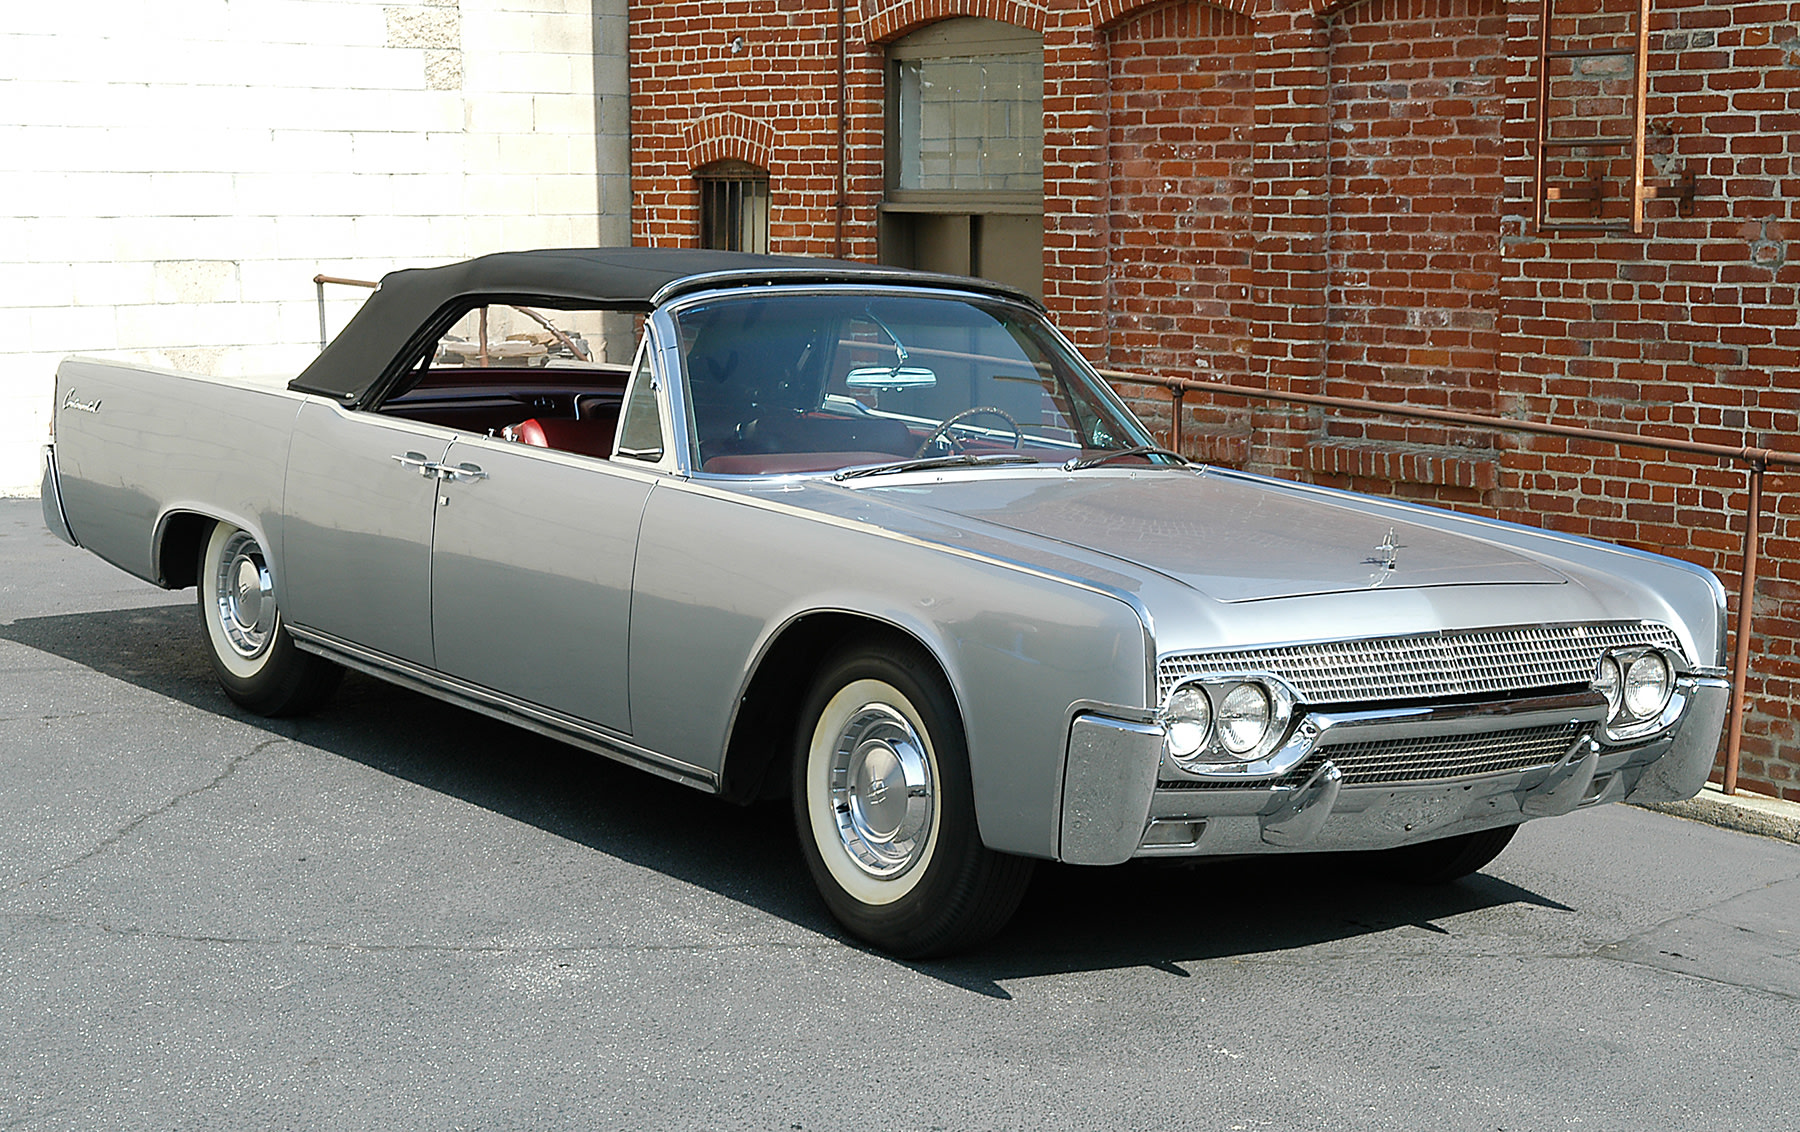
{"x": 664, "y": 318}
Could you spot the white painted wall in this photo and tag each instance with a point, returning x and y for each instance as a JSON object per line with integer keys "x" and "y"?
{"x": 173, "y": 174}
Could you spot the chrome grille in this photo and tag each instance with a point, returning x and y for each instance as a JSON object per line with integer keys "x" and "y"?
{"x": 1428, "y": 665}
{"x": 1423, "y": 758}
{"x": 1446, "y": 756}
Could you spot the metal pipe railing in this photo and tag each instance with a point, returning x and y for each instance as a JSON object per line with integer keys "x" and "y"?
{"x": 1758, "y": 461}
{"x": 319, "y": 281}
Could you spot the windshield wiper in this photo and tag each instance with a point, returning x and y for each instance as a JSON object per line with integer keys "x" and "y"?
{"x": 926, "y": 463}
{"x": 1077, "y": 463}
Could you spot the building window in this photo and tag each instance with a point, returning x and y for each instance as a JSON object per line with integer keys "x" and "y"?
{"x": 965, "y": 152}
{"x": 734, "y": 206}
{"x": 970, "y": 123}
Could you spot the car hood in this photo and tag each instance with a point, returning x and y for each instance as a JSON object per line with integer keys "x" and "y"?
{"x": 1233, "y": 539}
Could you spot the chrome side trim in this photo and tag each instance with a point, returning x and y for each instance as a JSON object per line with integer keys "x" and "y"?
{"x": 499, "y": 705}
{"x": 55, "y": 517}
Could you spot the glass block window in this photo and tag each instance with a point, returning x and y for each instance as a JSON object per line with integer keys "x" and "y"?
{"x": 734, "y": 206}
{"x": 971, "y": 123}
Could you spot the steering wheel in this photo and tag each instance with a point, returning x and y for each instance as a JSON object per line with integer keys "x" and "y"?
{"x": 943, "y": 430}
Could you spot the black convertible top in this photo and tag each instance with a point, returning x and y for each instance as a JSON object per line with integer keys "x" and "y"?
{"x": 383, "y": 332}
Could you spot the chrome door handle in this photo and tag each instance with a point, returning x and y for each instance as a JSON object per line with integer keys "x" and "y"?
{"x": 415, "y": 460}
{"x": 459, "y": 472}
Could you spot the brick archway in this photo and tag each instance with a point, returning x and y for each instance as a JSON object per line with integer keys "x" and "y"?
{"x": 895, "y": 18}
{"x": 1108, "y": 12}
{"x": 725, "y": 136}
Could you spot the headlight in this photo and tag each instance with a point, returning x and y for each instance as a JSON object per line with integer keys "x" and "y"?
{"x": 1188, "y": 719}
{"x": 1244, "y": 718}
{"x": 1638, "y": 684}
{"x": 1607, "y": 684}
{"x": 1648, "y": 684}
{"x": 1224, "y": 723}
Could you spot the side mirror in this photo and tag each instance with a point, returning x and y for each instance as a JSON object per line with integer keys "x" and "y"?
{"x": 890, "y": 377}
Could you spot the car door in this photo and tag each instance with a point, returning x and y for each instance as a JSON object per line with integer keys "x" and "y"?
{"x": 533, "y": 559}
{"x": 531, "y": 575}
{"x": 356, "y": 552}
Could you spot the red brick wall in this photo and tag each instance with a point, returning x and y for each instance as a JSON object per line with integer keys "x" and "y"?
{"x": 1350, "y": 213}
{"x": 697, "y": 96}
{"x": 1414, "y": 256}
{"x": 1688, "y": 331}
{"x": 1180, "y": 151}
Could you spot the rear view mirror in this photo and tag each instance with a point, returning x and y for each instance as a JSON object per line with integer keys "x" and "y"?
{"x": 890, "y": 377}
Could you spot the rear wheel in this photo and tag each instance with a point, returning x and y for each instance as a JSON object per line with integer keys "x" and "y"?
{"x": 886, "y": 811}
{"x": 252, "y": 654}
{"x": 1446, "y": 859}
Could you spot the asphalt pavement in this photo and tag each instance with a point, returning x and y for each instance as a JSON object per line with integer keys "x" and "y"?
{"x": 396, "y": 914}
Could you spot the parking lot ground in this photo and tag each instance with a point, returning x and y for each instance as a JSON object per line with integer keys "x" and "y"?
{"x": 396, "y": 914}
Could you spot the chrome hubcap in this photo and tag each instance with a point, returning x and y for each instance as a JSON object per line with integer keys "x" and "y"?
{"x": 246, "y": 596}
{"x": 882, "y": 792}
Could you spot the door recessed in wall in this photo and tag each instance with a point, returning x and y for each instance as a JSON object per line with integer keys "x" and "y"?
{"x": 965, "y": 152}
{"x": 734, "y": 206}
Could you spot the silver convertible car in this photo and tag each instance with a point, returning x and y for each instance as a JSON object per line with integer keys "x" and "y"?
{"x": 884, "y": 544}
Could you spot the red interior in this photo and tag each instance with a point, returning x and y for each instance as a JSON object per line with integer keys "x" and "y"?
{"x": 590, "y": 436}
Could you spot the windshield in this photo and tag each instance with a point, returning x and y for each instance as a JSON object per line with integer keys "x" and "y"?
{"x": 809, "y": 383}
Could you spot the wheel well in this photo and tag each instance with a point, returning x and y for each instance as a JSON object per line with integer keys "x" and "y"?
{"x": 178, "y": 553}
{"x": 762, "y": 737}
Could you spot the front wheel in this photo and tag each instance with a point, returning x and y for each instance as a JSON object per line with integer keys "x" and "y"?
{"x": 252, "y": 654}
{"x": 886, "y": 811}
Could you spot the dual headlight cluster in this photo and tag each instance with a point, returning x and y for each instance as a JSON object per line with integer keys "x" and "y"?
{"x": 1638, "y": 684}
{"x": 1224, "y": 722}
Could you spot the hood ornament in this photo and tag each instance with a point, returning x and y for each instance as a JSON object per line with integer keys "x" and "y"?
{"x": 1386, "y": 558}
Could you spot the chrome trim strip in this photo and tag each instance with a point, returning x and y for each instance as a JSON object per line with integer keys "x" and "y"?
{"x": 499, "y": 705}
{"x": 50, "y": 499}
{"x": 835, "y": 277}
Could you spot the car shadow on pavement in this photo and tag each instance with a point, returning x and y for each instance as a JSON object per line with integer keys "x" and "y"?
{"x": 1146, "y": 914}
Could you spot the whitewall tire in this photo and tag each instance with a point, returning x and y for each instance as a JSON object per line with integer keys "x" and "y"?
{"x": 252, "y": 654}
{"x": 885, "y": 808}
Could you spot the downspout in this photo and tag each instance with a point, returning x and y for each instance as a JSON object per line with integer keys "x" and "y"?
{"x": 843, "y": 129}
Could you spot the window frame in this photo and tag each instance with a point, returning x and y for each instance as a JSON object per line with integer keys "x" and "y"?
{"x": 713, "y": 181}
{"x": 954, "y": 38}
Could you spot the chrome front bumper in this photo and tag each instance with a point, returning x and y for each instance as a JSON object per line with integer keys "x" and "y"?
{"x": 1114, "y": 807}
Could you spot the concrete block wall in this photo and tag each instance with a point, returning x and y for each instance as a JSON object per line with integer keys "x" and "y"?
{"x": 172, "y": 175}
{"x": 1332, "y": 196}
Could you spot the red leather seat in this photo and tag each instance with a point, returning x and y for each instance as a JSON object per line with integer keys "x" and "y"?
{"x": 589, "y": 436}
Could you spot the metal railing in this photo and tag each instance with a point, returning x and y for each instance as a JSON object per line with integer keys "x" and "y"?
{"x": 1757, "y": 461}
